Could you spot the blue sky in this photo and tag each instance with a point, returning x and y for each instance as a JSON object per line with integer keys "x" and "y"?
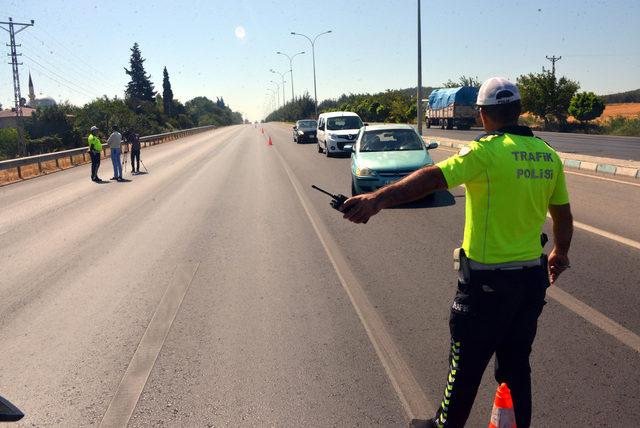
{"x": 77, "y": 49}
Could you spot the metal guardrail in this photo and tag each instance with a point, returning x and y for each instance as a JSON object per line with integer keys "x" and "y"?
{"x": 145, "y": 141}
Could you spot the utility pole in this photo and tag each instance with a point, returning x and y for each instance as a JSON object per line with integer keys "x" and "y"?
{"x": 16, "y": 76}
{"x": 553, "y": 60}
{"x": 419, "y": 94}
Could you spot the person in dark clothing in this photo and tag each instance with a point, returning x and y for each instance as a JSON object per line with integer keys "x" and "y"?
{"x": 134, "y": 140}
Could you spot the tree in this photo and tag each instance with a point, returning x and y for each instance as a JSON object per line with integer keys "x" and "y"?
{"x": 463, "y": 81}
{"x": 51, "y": 128}
{"x": 586, "y": 106}
{"x": 546, "y": 96}
{"x": 167, "y": 94}
{"x": 140, "y": 86}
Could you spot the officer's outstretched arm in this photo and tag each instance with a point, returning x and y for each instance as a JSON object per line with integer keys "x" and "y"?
{"x": 562, "y": 233}
{"x": 411, "y": 188}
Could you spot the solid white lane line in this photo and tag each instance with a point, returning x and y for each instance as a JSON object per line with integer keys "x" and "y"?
{"x": 411, "y": 396}
{"x": 609, "y": 235}
{"x": 595, "y": 317}
{"x": 124, "y": 401}
{"x": 617, "y": 238}
{"x": 601, "y": 178}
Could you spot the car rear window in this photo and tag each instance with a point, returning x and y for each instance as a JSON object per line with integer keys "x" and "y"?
{"x": 390, "y": 140}
{"x": 344, "y": 122}
{"x": 307, "y": 124}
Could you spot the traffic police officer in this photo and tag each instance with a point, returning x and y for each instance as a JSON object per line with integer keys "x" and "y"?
{"x": 512, "y": 179}
{"x": 95, "y": 147}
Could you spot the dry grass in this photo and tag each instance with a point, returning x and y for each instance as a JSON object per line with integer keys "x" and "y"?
{"x": 630, "y": 110}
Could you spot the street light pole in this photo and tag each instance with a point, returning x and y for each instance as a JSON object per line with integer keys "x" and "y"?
{"x": 283, "y": 82}
{"x": 277, "y": 92}
{"x": 293, "y": 97}
{"x": 313, "y": 54}
{"x": 419, "y": 94}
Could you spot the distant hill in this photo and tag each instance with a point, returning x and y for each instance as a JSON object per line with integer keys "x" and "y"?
{"x": 623, "y": 97}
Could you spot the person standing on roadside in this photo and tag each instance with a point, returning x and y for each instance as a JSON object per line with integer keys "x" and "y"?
{"x": 95, "y": 148}
{"x": 512, "y": 179}
{"x": 115, "y": 145}
{"x": 134, "y": 140}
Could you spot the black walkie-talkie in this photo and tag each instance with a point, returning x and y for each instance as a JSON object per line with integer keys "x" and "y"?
{"x": 336, "y": 200}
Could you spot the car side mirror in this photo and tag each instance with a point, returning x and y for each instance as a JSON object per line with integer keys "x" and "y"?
{"x": 365, "y": 124}
{"x": 432, "y": 145}
{"x": 9, "y": 412}
{"x": 295, "y": 127}
{"x": 348, "y": 148}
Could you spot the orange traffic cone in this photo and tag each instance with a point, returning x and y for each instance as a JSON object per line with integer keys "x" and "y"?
{"x": 502, "y": 414}
{"x": 270, "y": 142}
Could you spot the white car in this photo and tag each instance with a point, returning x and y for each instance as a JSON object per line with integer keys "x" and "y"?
{"x": 336, "y": 129}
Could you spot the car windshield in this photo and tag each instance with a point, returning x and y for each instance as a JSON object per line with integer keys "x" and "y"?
{"x": 390, "y": 140}
{"x": 343, "y": 122}
{"x": 307, "y": 124}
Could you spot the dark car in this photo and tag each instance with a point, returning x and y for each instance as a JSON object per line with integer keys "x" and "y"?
{"x": 305, "y": 131}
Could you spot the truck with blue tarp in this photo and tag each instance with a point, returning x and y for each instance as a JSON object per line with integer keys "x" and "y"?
{"x": 449, "y": 107}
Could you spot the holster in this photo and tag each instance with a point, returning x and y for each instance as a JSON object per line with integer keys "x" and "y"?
{"x": 461, "y": 265}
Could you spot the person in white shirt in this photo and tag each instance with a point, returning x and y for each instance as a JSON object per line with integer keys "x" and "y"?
{"x": 115, "y": 143}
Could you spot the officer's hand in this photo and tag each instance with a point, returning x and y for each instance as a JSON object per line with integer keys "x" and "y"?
{"x": 359, "y": 208}
{"x": 558, "y": 263}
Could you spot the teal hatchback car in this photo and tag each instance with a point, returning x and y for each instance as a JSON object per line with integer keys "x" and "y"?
{"x": 383, "y": 154}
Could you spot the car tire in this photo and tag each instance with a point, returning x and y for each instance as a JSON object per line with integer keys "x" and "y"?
{"x": 327, "y": 152}
{"x": 319, "y": 148}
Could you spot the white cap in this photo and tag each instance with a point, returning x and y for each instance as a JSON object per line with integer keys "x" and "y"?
{"x": 94, "y": 128}
{"x": 497, "y": 90}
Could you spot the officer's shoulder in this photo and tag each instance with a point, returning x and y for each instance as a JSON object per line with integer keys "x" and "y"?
{"x": 488, "y": 136}
{"x": 546, "y": 142}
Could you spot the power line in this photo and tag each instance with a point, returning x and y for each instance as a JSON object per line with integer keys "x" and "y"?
{"x": 87, "y": 92}
{"x": 46, "y": 75}
{"x": 100, "y": 74}
{"x": 95, "y": 74}
{"x": 66, "y": 72}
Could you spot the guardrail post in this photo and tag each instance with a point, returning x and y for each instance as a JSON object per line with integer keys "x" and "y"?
{"x": 19, "y": 168}
{"x": 71, "y": 159}
{"x": 40, "y": 167}
{"x": 57, "y": 163}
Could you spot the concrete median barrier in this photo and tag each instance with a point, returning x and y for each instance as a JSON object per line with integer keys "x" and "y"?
{"x": 598, "y": 165}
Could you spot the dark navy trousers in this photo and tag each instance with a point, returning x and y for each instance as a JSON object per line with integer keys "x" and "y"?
{"x": 495, "y": 313}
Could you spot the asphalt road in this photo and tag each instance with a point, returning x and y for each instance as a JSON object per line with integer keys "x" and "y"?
{"x": 610, "y": 146}
{"x": 248, "y": 301}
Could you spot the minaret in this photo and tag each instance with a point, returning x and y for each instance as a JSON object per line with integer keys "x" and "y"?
{"x": 32, "y": 94}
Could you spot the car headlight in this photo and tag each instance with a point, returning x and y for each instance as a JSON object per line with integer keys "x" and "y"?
{"x": 332, "y": 137}
{"x": 300, "y": 133}
{"x": 365, "y": 172}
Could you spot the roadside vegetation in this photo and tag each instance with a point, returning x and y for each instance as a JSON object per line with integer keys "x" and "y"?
{"x": 142, "y": 109}
{"x": 550, "y": 103}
